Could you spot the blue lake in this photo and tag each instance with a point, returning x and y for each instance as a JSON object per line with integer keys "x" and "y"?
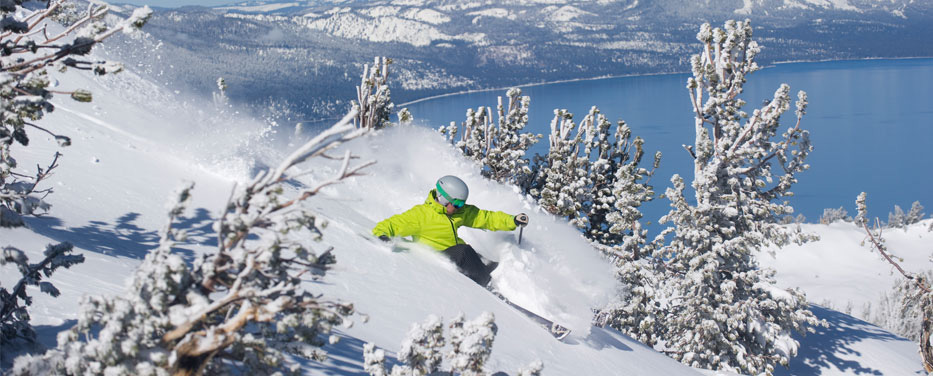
{"x": 870, "y": 121}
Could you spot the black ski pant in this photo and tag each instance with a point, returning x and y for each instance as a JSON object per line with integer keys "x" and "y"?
{"x": 469, "y": 263}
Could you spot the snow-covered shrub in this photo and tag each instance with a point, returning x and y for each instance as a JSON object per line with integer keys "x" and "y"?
{"x": 423, "y": 350}
{"x": 373, "y": 104}
{"x": 725, "y": 312}
{"x": 14, "y": 318}
{"x": 500, "y": 146}
{"x": 28, "y": 49}
{"x": 471, "y": 343}
{"x": 833, "y": 215}
{"x": 899, "y": 311}
{"x": 793, "y": 220}
{"x": 242, "y": 306}
{"x": 899, "y": 219}
{"x": 915, "y": 292}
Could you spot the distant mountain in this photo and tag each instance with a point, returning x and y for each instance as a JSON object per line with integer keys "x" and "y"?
{"x": 306, "y": 55}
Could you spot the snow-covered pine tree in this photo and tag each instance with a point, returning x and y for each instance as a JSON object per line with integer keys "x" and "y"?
{"x": 636, "y": 310}
{"x": 899, "y": 219}
{"x": 373, "y": 104}
{"x": 916, "y": 295}
{"x": 505, "y": 160}
{"x": 726, "y": 313}
{"x": 832, "y": 215}
{"x": 242, "y": 306}
{"x": 474, "y": 137}
{"x": 500, "y": 147}
{"x": 562, "y": 183}
{"x": 899, "y": 310}
{"x": 915, "y": 215}
{"x": 28, "y": 49}
{"x": 422, "y": 351}
{"x": 592, "y": 176}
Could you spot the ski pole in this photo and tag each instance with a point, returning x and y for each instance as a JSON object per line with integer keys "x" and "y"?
{"x": 520, "y": 230}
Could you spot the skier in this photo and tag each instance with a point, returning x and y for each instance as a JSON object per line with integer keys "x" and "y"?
{"x": 435, "y": 223}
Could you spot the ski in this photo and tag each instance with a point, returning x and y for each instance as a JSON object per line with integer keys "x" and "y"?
{"x": 556, "y": 330}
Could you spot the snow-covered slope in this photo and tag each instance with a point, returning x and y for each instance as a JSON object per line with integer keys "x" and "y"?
{"x": 135, "y": 144}
{"x": 840, "y": 270}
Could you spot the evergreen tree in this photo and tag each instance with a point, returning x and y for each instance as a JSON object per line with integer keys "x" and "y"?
{"x": 373, "y": 104}
{"x": 899, "y": 310}
{"x": 636, "y": 310}
{"x": 592, "y": 176}
{"x": 500, "y": 147}
{"x": 899, "y": 219}
{"x": 562, "y": 180}
{"x": 832, "y": 215}
{"x": 915, "y": 215}
{"x": 725, "y": 312}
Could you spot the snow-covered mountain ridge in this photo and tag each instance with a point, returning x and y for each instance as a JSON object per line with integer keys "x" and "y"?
{"x": 305, "y": 55}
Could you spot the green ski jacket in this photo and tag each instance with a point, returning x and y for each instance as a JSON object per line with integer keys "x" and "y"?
{"x": 429, "y": 224}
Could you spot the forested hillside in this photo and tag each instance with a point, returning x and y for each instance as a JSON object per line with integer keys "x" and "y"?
{"x": 304, "y": 56}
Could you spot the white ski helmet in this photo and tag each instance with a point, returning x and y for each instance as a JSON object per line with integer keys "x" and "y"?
{"x": 453, "y": 190}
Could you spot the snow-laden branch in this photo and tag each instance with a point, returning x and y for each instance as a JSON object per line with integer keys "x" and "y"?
{"x": 26, "y": 95}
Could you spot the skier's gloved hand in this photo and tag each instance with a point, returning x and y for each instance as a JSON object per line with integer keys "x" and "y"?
{"x": 385, "y": 238}
{"x": 521, "y": 219}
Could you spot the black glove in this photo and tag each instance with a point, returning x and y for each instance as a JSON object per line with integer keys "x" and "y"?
{"x": 521, "y": 219}
{"x": 385, "y": 238}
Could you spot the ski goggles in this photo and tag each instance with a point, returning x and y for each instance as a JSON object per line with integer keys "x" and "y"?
{"x": 457, "y": 203}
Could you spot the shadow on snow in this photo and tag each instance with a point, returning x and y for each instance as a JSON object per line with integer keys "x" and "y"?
{"x": 821, "y": 351}
{"x": 345, "y": 358}
{"x": 123, "y": 237}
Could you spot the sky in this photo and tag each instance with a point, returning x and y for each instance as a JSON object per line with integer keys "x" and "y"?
{"x": 175, "y": 3}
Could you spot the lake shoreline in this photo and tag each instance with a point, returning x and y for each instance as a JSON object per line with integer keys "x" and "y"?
{"x": 869, "y": 120}
{"x": 474, "y": 91}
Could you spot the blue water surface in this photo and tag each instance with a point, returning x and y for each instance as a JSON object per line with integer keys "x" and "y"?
{"x": 870, "y": 121}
